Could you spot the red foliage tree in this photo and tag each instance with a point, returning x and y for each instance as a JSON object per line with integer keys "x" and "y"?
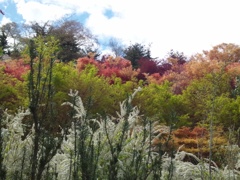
{"x": 110, "y": 67}
{"x": 83, "y": 62}
{"x": 16, "y": 68}
{"x": 118, "y": 67}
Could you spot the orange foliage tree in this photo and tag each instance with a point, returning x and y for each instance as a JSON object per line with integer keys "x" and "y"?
{"x": 192, "y": 140}
{"x": 224, "y": 53}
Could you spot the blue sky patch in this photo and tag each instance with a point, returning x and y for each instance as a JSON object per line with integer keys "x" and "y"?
{"x": 82, "y": 17}
{"x": 11, "y": 12}
{"x": 109, "y": 13}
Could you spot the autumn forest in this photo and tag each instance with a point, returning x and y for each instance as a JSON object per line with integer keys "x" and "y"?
{"x": 67, "y": 112}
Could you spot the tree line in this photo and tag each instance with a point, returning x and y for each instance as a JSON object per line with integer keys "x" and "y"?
{"x": 75, "y": 41}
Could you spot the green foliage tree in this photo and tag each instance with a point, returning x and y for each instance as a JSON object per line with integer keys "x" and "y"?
{"x": 98, "y": 95}
{"x": 226, "y": 112}
{"x": 160, "y": 104}
{"x": 199, "y": 96}
{"x": 42, "y": 107}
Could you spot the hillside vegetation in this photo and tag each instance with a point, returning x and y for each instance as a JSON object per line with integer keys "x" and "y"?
{"x": 118, "y": 117}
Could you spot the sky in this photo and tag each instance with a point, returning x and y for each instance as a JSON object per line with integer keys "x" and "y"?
{"x": 187, "y": 26}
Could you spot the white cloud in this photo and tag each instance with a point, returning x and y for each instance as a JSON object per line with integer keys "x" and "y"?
{"x": 36, "y": 11}
{"x": 188, "y": 26}
{"x": 5, "y": 20}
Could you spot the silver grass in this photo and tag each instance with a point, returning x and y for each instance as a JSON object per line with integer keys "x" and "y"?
{"x": 14, "y": 146}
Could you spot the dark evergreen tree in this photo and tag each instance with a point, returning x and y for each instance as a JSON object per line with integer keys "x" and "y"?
{"x": 135, "y": 52}
{"x": 74, "y": 40}
{"x": 69, "y": 49}
{"x": 3, "y": 42}
{"x": 178, "y": 56}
